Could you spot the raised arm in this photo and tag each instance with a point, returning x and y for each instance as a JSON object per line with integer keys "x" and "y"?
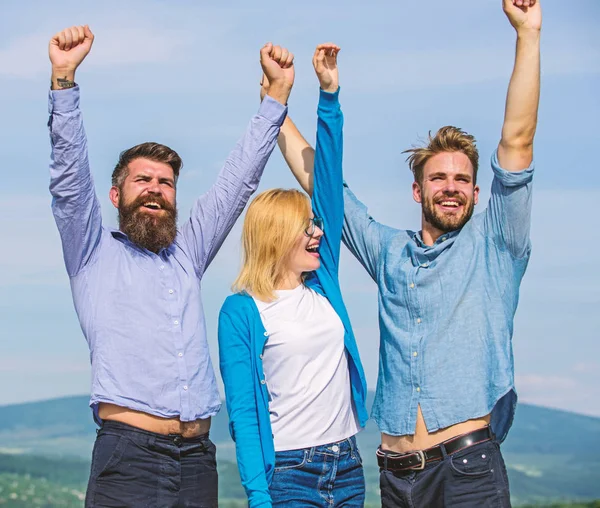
{"x": 361, "y": 233}
{"x": 74, "y": 204}
{"x": 215, "y": 213}
{"x": 297, "y": 152}
{"x": 508, "y": 215}
{"x": 327, "y": 196}
{"x": 515, "y": 151}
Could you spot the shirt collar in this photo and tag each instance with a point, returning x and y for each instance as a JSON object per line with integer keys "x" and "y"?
{"x": 117, "y": 233}
{"x": 418, "y": 239}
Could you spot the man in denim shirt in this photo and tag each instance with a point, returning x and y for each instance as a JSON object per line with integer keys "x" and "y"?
{"x": 445, "y": 393}
{"x": 137, "y": 290}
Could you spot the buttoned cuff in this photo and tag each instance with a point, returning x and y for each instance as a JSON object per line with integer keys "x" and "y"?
{"x": 63, "y": 101}
{"x": 512, "y": 178}
{"x": 272, "y": 110}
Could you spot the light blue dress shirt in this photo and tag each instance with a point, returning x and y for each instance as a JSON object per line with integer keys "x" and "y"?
{"x": 446, "y": 311}
{"x": 141, "y": 312}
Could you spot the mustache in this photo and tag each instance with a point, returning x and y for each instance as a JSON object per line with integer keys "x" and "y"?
{"x": 451, "y": 195}
{"x": 143, "y": 200}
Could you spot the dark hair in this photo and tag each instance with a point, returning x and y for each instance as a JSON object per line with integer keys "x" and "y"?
{"x": 447, "y": 139}
{"x": 153, "y": 151}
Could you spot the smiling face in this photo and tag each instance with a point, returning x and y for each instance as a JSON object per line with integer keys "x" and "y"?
{"x": 447, "y": 194}
{"x": 304, "y": 256}
{"x": 146, "y": 201}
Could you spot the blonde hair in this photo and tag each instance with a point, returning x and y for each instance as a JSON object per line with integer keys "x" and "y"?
{"x": 273, "y": 222}
{"x": 447, "y": 139}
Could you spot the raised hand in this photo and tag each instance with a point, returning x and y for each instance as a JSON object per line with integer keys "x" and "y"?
{"x": 325, "y": 64}
{"x": 278, "y": 67}
{"x": 67, "y": 49}
{"x": 523, "y": 14}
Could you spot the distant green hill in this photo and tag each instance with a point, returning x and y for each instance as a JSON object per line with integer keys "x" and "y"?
{"x": 550, "y": 454}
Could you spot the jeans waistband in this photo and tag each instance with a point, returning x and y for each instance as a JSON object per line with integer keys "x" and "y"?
{"x": 123, "y": 428}
{"x": 336, "y": 448}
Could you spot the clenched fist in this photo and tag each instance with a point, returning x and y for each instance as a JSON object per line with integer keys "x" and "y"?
{"x": 278, "y": 67}
{"x": 523, "y": 14}
{"x": 67, "y": 49}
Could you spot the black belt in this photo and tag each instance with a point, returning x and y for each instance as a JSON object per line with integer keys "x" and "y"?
{"x": 416, "y": 460}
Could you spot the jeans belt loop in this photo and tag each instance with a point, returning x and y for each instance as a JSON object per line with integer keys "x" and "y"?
{"x": 443, "y": 449}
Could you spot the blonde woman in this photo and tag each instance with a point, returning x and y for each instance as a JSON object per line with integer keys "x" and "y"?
{"x": 294, "y": 384}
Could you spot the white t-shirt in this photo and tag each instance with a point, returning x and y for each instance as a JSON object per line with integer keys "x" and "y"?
{"x": 306, "y": 370}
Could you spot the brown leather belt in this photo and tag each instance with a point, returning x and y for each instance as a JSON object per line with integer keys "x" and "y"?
{"x": 416, "y": 460}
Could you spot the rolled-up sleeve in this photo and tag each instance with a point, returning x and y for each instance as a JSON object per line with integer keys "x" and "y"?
{"x": 508, "y": 215}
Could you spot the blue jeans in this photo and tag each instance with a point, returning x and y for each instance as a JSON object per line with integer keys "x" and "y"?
{"x": 328, "y": 475}
{"x": 135, "y": 468}
{"x": 472, "y": 478}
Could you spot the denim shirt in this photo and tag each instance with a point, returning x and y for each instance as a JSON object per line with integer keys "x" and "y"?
{"x": 242, "y": 336}
{"x": 141, "y": 312}
{"x": 446, "y": 311}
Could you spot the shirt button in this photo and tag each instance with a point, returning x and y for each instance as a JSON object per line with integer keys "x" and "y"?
{"x": 263, "y": 382}
{"x": 418, "y": 320}
{"x": 175, "y": 322}
{"x": 260, "y": 356}
{"x": 415, "y": 353}
{"x": 418, "y": 388}
{"x": 412, "y": 285}
{"x": 162, "y": 267}
{"x": 185, "y": 387}
{"x": 171, "y": 291}
{"x": 266, "y": 334}
{"x": 443, "y": 238}
{"x": 425, "y": 265}
{"x": 180, "y": 355}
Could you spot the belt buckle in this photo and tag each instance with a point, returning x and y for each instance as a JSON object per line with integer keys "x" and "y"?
{"x": 421, "y": 466}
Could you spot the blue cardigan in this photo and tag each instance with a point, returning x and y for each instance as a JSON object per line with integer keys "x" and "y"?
{"x": 242, "y": 336}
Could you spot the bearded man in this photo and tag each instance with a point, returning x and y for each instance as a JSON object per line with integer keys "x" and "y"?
{"x": 137, "y": 290}
{"x": 448, "y": 294}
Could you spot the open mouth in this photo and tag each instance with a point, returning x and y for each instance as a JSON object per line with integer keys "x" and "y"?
{"x": 449, "y": 204}
{"x": 313, "y": 249}
{"x": 152, "y": 205}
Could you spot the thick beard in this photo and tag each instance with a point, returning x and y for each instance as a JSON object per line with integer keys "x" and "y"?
{"x": 447, "y": 222}
{"x": 152, "y": 232}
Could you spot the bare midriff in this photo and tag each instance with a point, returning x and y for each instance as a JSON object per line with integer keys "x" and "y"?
{"x": 422, "y": 439}
{"x": 152, "y": 423}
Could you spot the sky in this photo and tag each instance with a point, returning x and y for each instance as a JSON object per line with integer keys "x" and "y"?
{"x": 186, "y": 74}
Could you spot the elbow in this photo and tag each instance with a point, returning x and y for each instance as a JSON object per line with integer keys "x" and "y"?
{"x": 517, "y": 138}
{"x": 519, "y": 143}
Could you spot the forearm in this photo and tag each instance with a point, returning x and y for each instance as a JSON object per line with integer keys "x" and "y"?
{"x": 515, "y": 151}
{"x": 327, "y": 198}
{"x": 298, "y": 154}
{"x": 215, "y": 213}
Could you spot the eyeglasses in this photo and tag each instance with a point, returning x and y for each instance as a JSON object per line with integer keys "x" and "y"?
{"x": 313, "y": 223}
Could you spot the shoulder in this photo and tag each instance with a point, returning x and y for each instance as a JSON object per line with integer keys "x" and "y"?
{"x": 237, "y": 305}
{"x": 393, "y": 238}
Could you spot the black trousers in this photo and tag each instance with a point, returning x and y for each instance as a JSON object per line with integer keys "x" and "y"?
{"x": 472, "y": 478}
{"x": 135, "y": 468}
